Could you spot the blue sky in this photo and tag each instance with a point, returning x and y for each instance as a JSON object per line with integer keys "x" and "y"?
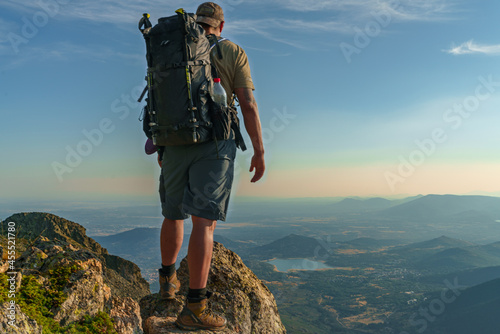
{"x": 357, "y": 98}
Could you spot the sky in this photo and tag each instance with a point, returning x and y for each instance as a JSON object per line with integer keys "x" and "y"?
{"x": 357, "y": 98}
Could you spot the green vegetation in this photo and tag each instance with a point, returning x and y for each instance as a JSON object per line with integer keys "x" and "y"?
{"x": 100, "y": 323}
{"x": 38, "y": 300}
{"x": 4, "y": 288}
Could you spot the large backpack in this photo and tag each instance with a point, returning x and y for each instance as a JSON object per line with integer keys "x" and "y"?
{"x": 179, "y": 108}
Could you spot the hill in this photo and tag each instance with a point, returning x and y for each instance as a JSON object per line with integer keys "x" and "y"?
{"x": 361, "y": 205}
{"x": 475, "y": 310}
{"x": 123, "y": 276}
{"x": 369, "y": 244}
{"x": 421, "y": 249}
{"x": 454, "y": 259}
{"x": 493, "y": 248}
{"x": 468, "y": 277}
{"x": 291, "y": 246}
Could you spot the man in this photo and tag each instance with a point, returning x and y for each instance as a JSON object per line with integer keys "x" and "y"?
{"x": 196, "y": 180}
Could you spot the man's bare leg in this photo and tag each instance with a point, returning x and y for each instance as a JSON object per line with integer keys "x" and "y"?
{"x": 197, "y": 314}
{"x": 172, "y": 234}
{"x": 200, "y": 251}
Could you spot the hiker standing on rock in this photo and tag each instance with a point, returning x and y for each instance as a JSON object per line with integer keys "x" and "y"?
{"x": 196, "y": 180}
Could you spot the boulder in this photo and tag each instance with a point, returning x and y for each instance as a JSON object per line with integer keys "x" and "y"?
{"x": 238, "y": 294}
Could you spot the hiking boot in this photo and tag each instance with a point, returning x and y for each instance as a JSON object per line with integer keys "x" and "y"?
{"x": 198, "y": 316}
{"x": 169, "y": 286}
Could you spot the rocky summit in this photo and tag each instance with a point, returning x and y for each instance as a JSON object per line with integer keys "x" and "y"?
{"x": 64, "y": 282}
{"x": 238, "y": 294}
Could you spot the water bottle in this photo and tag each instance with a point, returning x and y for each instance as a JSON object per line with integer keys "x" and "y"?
{"x": 219, "y": 94}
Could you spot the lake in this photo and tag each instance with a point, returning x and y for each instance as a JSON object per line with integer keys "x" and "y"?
{"x": 298, "y": 264}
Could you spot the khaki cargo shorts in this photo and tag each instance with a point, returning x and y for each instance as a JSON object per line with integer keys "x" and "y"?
{"x": 197, "y": 179}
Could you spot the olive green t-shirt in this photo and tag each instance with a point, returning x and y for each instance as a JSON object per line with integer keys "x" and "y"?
{"x": 233, "y": 68}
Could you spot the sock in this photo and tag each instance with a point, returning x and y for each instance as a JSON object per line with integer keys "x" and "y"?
{"x": 167, "y": 270}
{"x": 196, "y": 295}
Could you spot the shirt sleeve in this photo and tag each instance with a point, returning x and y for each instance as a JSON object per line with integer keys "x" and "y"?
{"x": 242, "y": 75}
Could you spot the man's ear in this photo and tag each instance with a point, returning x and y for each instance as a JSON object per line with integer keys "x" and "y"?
{"x": 222, "y": 26}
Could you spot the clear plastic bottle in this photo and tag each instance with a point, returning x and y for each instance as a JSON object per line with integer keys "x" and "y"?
{"x": 219, "y": 94}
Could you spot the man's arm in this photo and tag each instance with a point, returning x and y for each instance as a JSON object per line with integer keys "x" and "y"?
{"x": 251, "y": 118}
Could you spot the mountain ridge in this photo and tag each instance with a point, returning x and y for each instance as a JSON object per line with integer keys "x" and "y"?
{"x": 123, "y": 276}
{"x": 439, "y": 206}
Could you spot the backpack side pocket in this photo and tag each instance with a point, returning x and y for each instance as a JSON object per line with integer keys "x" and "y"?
{"x": 221, "y": 119}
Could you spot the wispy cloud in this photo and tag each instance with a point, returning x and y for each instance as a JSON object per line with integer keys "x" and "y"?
{"x": 337, "y": 17}
{"x": 471, "y": 47}
{"x": 404, "y": 10}
{"x": 127, "y": 11}
{"x": 110, "y": 11}
{"x": 333, "y": 16}
{"x": 280, "y": 30}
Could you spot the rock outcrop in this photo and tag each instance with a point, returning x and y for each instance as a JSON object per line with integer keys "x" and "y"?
{"x": 122, "y": 276}
{"x": 64, "y": 280}
{"x": 238, "y": 294}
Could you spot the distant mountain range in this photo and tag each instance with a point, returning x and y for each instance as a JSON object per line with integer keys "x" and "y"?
{"x": 429, "y": 247}
{"x": 448, "y": 254}
{"x": 454, "y": 259}
{"x": 435, "y": 207}
{"x": 442, "y": 254}
{"x": 416, "y": 208}
{"x": 353, "y": 204}
{"x": 291, "y": 246}
{"x": 359, "y": 205}
{"x": 142, "y": 246}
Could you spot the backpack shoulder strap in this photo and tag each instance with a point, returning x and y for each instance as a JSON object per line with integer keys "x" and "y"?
{"x": 214, "y": 42}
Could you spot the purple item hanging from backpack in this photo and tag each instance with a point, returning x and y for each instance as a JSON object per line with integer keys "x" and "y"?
{"x": 150, "y": 148}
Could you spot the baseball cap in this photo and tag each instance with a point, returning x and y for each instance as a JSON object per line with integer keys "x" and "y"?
{"x": 210, "y": 13}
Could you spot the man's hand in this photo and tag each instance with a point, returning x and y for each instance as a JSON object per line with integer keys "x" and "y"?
{"x": 259, "y": 166}
{"x": 251, "y": 117}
